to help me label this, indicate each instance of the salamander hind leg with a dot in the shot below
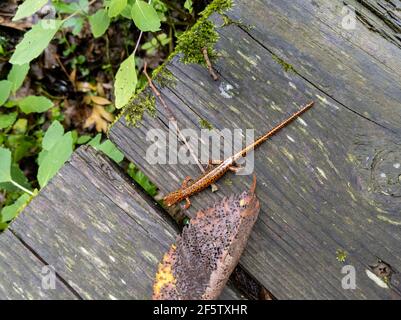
(235, 168)
(187, 204)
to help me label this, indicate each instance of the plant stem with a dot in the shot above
(138, 41)
(22, 188)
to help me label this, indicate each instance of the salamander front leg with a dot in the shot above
(215, 162)
(186, 181)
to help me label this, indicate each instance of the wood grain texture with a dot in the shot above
(328, 182)
(21, 273)
(101, 234)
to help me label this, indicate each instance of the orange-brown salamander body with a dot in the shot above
(211, 176)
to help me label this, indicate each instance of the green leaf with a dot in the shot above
(10, 212)
(99, 22)
(188, 5)
(53, 134)
(21, 145)
(82, 7)
(126, 81)
(18, 176)
(68, 8)
(75, 23)
(17, 76)
(83, 139)
(5, 90)
(54, 159)
(28, 8)
(126, 13)
(145, 16)
(5, 165)
(7, 120)
(107, 147)
(95, 142)
(35, 41)
(35, 104)
(116, 7)
(141, 179)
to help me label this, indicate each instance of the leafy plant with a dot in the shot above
(152, 46)
(107, 147)
(142, 180)
(26, 113)
(57, 147)
(143, 14)
(188, 5)
(5, 170)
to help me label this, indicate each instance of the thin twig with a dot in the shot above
(55, 55)
(209, 64)
(172, 119)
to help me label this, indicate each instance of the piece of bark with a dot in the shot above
(208, 250)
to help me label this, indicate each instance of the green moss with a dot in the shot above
(286, 66)
(164, 77)
(228, 21)
(218, 6)
(142, 102)
(202, 35)
(228, 182)
(205, 124)
(191, 43)
(341, 255)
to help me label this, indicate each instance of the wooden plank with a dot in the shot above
(358, 68)
(98, 230)
(21, 273)
(326, 183)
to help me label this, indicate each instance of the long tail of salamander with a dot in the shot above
(272, 132)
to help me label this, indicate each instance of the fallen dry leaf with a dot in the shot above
(85, 86)
(73, 75)
(100, 100)
(20, 25)
(208, 250)
(100, 118)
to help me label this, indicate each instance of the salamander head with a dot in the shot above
(173, 198)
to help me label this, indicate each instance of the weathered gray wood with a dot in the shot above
(359, 68)
(21, 273)
(328, 182)
(99, 231)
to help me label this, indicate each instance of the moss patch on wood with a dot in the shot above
(202, 35)
(341, 255)
(205, 124)
(164, 77)
(191, 43)
(286, 66)
(142, 102)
